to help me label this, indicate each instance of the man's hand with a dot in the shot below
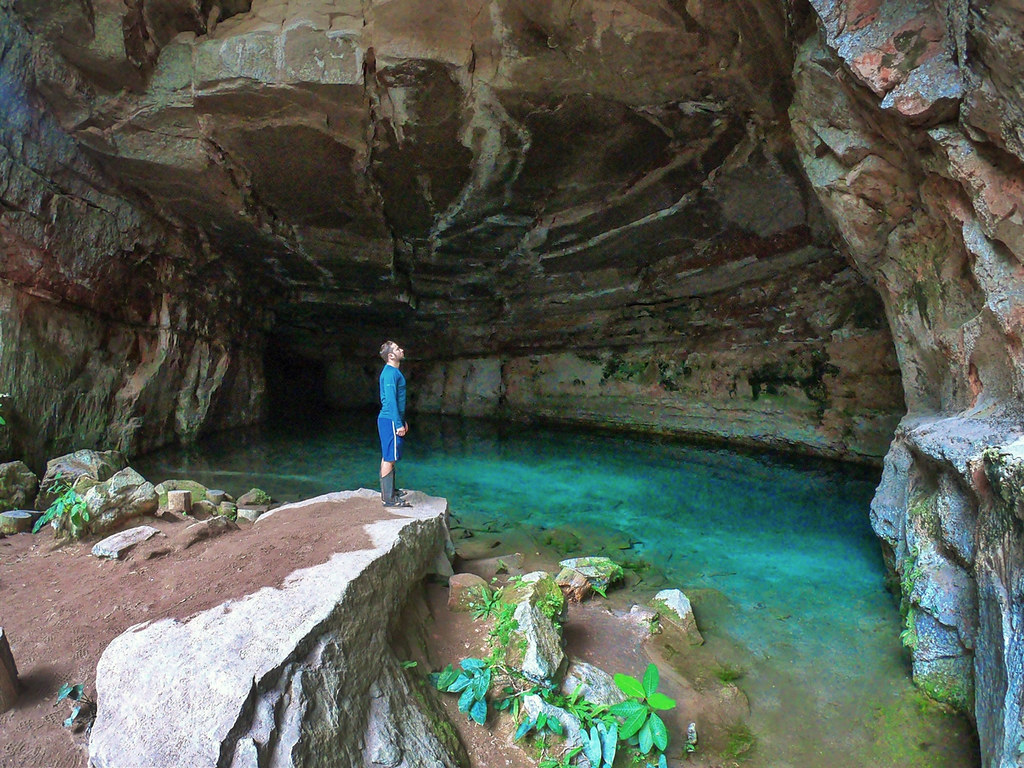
(403, 431)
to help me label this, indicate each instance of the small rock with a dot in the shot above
(250, 513)
(114, 546)
(227, 509)
(203, 509)
(254, 498)
(464, 589)
(534, 705)
(179, 502)
(216, 496)
(207, 529)
(675, 607)
(580, 575)
(17, 521)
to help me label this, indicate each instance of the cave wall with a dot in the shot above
(116, 329)
(908, 120)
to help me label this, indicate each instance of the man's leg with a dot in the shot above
(387, 481)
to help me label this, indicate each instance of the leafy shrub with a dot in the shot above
(638, 712)
(83, 712)
(472, 682)
(68, 512)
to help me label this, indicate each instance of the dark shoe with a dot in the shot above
(396, 502)
(400, 492)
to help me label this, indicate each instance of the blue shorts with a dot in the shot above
(390, 440)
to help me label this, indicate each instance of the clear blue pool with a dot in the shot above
(777, 552)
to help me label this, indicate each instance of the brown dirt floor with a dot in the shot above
(60, 607)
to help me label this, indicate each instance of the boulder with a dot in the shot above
(592, 683)
(536, 644)
(464, 591)
(252, 514)
(126, 495)
(254, 497)
(673, 606)
(18, 485)
(114, 546)
(534, 705)
(582, 575)
(646, 618)
(285, 675)
(66, 470)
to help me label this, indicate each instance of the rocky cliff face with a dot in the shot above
(907, 116)
(609, 186)
(116, 329)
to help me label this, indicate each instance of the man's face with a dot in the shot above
(398, 353)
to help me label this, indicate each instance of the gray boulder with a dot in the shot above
(114, 546)
(67, 469)
(593, 683)
(124, 496)
(18, 485)
(285, 676)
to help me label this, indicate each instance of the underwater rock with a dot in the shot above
(673, 606)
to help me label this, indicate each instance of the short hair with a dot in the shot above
(386, 349)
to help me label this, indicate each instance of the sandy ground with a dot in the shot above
(60, 607)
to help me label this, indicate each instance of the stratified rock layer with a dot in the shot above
(287, 676)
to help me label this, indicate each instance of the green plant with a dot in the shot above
(69, 513)
(487, 605)
(259, 497)
(728, 673)
(600, 744)
(472, 682)
(640, 721)
(565, 762)
(740, 740)
(83, 712)
(540, 724)
(909, 635)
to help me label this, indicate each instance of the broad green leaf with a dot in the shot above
(524, 728)
(646, 738)
(76, 692)
(592, 747)
(658, 732)
(609, 739)
(630, 685)
(479, 711)
(661, 701)
(446, 678)
(627, 708)
(473, 664)
(662, 762)
(632, 724)
(480, 685)
(650, 681)
(466, 700)
(409, 664)
(64, 692)
(542, 720)
(461, 683)
(555, 726)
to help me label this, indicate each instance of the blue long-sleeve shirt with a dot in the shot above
(392, 394)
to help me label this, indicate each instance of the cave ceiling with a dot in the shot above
(510, 175)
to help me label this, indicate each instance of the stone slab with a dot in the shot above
(118, 544)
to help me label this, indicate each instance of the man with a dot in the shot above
(391, 423)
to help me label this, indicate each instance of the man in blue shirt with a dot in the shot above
(391, 423)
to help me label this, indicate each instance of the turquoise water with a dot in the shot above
(777, 554)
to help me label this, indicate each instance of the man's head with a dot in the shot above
(391, 352)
